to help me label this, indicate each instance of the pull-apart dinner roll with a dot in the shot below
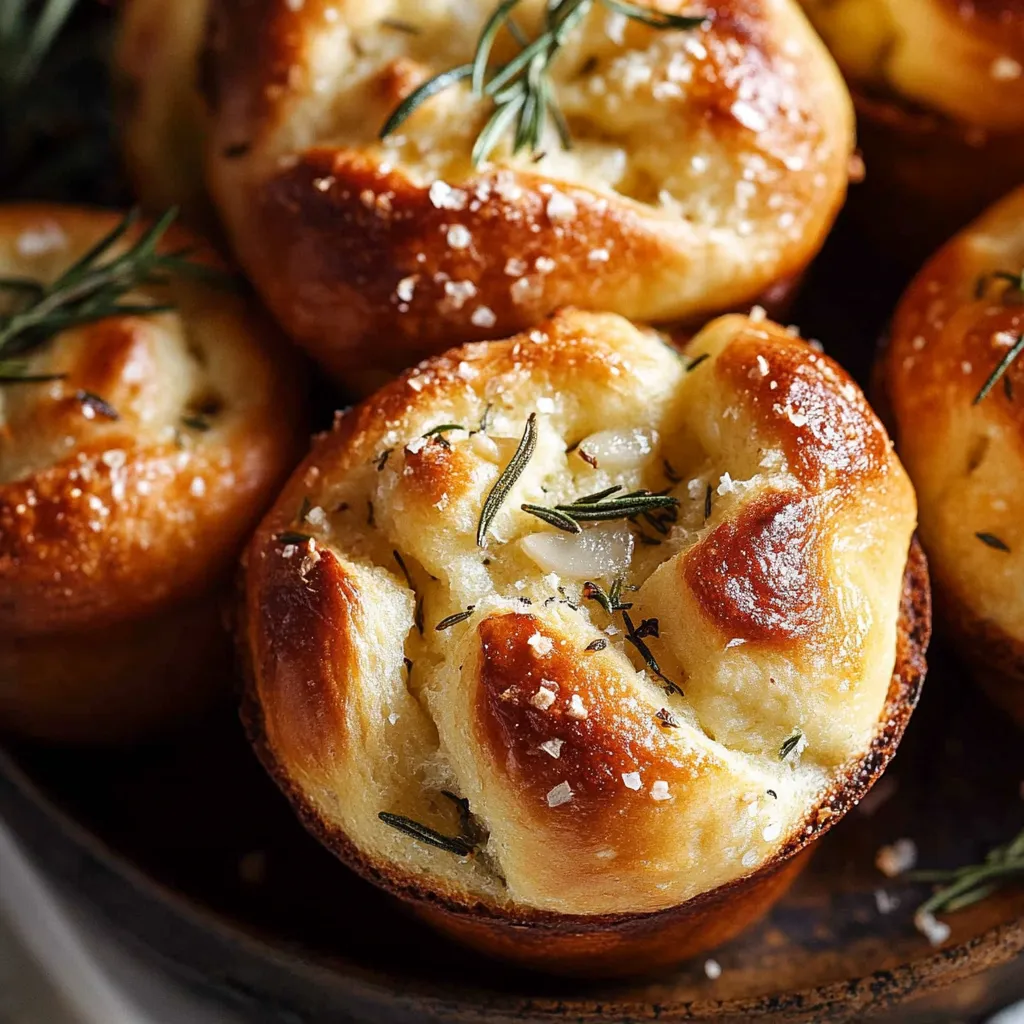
(706, 165)
(939, 89)
(161, 113)
(612, 742)
(136, 454)
(954, 376)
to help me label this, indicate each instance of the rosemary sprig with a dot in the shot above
(521, 90)
(962, 887)
(602, 507)
(998, 373)
(507, 480)
(92, 288)
(425, 834)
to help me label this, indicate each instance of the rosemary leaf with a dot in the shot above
(521, 89)
(454, 620)
(553, 518)
(964, 886)
(293, 537)
(993, 541)
(789, 745)
(507, 480)
(419, 96)
(998, 373)
(424, 834)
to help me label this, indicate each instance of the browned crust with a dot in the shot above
(328, 233)
(87, 539)
(610, 944)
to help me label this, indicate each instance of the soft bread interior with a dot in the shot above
(773, 595)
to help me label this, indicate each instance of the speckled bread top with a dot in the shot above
(895, 45)
(953, 328)
(133, 480)
(618, 760)
(714, 159)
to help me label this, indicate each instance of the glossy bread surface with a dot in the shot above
(714, 159)
(592, 790)
(128, 485)
(953, 328)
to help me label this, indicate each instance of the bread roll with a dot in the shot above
(706, 166)
(953, 329)
(939, 89)
(160, 111)
(127, 488)
(638, 780)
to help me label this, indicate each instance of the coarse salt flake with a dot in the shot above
(659, 790)
(631, 780)
(560, 207)
(552, 747)
(576, 708)
(458, 237)
(712, 969)
(561, 794)
(543, 645)
(444, 197)
(897, 858)
(934, 930)
(543, 698)
(483, 316)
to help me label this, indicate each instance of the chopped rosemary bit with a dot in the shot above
(370, 516)
(437, 431)
(1000, 371)
(648, 627)
(962, 887)
(789, 745)
(507, 480)
(707, 503)
(993, 541)
(382, 459)
(454, 620)
(596, 645)
(603, 506)
(635, 638)
(97, 404)
(196, 422)
(92, 288)
(694, 363)
(521, 90)
(304, 509)
(1014, 282)
(293, 537)
(424, 834)
(667, 719)
(671, 475)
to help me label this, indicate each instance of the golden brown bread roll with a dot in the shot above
(649, 717)
(160, 110)
(939, 89)
(706, 165)
(127, 487)
(955, 327)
